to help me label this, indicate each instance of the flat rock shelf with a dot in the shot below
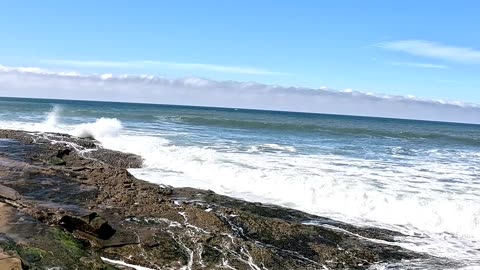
(68, 203)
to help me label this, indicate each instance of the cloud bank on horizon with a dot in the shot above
(40, 83)
(162, 65)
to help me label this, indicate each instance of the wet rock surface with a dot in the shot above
(67, 202)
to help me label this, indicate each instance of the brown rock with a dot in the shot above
(8, 193)
(8, 262)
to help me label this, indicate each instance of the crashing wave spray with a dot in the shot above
(103, 127)
(50, 124)
(53, 116)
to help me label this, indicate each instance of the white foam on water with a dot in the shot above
(122, 263)
(49, 124)
(103, 127)
(437, 205)
(53, 116)
(417, 199)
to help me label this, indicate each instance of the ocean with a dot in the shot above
(419, 178)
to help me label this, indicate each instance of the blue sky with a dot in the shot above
(429, 49)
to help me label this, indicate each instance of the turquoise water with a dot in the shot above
(420, 178)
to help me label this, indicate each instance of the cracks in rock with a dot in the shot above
(243, 249)
(240, 233)
(226, 265)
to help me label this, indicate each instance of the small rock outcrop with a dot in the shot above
(7, 193)
(9, 262)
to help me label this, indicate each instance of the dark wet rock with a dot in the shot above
(92, 224)
(63, 152)
(40, 246)
(67, 214)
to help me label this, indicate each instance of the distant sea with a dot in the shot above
(416, 177)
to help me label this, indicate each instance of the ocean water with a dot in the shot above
(416, 177)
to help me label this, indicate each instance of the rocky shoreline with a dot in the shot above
(66, 203)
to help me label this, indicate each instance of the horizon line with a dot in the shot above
(244, 109)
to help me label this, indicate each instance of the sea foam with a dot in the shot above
(103, 127)
(407, 199)
(435, 205)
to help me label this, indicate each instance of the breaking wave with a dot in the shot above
(100, 128)
(103, 127)
(430, 195)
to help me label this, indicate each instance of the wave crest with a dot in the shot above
(53, 116)
(103, 127)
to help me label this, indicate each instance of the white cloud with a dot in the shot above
(434, 50)
(106, 76)
(420, 65)
(33, 82)
(36, 70)
(162, 65)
